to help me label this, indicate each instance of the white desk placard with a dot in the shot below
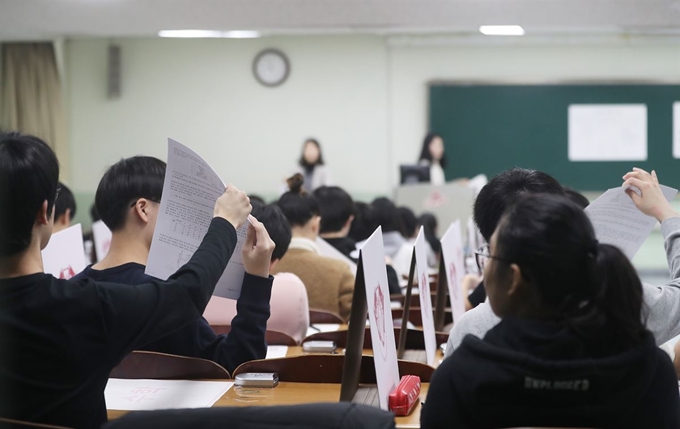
(380, 316)
(331, 252)
(64, 255)
(618, 222)
(607, 132)
(454, 262)
(101, 235)
(422, 274)
(190, 190)
(143, 394)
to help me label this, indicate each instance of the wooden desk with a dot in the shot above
(294, 394)
(297, 351)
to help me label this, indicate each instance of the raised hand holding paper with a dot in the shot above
(618, 222)
(425, 299)
(64, 256)
(190, 191)
(454, 262)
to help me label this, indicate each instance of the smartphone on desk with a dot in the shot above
(257, 379)
(319, 347)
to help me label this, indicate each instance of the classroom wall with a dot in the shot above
(364, 97)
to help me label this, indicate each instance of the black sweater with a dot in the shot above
(60, 339)
(531, 373)
(245, 341)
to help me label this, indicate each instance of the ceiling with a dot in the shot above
(45, 19)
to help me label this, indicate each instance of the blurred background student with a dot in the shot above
(433, 154)
(64, 209)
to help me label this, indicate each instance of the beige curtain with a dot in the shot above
(30, 93)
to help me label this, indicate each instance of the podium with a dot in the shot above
(447, 202)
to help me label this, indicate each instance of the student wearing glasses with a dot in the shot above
(59, 339)
(128, 200)
(662, 303)
(571, 348)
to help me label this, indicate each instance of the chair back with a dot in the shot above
(145, 364)
(415, 316)
(323, 316)
(273, 338)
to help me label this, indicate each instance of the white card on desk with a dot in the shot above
(454, 261)
(64, 255)
(618, 222)
(425, 298)
(380, 316)
(190, 190)
(274, 352)
(142, 394)
(101, 235)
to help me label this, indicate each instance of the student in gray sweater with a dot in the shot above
(661, 304)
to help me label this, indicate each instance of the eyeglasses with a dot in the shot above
(482, 257)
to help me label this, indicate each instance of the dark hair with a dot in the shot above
(298, 206)
(592, 286)
(576, 197)
(29, 174)
(336, 207)
(503, 190)
(65, 202)
(364, 222)
(303, 162)
(425, 151)
(94, 214)
(408, 223)
(277, 226)
(386, 214)
(257, 199)
(124, 183)
(429, 223)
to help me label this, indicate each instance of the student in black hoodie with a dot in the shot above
(571, 349)
(337, 213)
(128, 199)
(59, 339)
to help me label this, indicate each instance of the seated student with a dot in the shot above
(289, 304)
(434, 247)
(337, 214)
(501, 191)
(571, 348)
(396, 247)
(128, 199)
(64, 208)
(59, 339)
(661, 303)
(329, 282)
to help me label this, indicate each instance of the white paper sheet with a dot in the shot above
(676, 130)
(64, 255)
(608, 132)
(274, 352)
(190, 190)
(102, 239)
(380, 316)
(454, 261)
(331, 252)
(142, 394)
(322, 327)
(425, 298)
(618, 222)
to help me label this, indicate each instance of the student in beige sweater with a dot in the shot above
(329, 282)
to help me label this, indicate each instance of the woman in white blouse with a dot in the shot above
(433, 155)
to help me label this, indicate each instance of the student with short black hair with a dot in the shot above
(397, 249)
(337, 214)
(501, 192)
(329, 282)
(364, 223)
(128, 200)
(408, 223)
(64, 208)
(61, 338)
(571, 348)
(289, 302)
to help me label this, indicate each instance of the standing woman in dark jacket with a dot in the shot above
(571, 349)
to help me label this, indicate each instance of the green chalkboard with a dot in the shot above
(490, 128)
